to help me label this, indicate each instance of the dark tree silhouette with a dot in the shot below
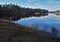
(16, 12)
(54, 32)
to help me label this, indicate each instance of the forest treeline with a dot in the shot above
(16, 12)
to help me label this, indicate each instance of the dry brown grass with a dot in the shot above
(11, 32)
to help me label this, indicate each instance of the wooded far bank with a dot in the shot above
(16, 12)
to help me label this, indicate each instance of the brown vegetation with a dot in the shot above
(11, 32)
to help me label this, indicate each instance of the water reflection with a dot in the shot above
(42, 22)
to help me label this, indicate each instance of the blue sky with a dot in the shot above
(44, 4)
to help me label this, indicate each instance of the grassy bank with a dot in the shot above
(11, 32)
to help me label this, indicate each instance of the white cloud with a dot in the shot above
(49, 4)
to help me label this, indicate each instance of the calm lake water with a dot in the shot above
(42, 22)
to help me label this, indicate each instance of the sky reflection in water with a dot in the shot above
(42, 22)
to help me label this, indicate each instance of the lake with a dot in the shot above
(42, 22)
